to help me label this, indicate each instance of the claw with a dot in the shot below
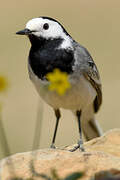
(80, 146)
(52, 146)
(74, 149)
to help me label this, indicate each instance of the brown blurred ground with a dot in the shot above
(96, 25)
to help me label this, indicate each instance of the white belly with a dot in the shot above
(79, 96)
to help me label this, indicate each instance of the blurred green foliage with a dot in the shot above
(55, 176)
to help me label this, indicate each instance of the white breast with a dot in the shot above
(79, 96)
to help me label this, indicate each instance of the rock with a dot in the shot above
(102, 153)
(112, 174)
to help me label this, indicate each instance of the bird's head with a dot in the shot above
(44, 27)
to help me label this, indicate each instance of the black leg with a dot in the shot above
(58, 115)
(80, 142)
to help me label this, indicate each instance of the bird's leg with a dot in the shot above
(58, 115)
(80, 142)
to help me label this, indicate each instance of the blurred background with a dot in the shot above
(94, 24)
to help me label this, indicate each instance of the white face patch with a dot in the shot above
(54, 31)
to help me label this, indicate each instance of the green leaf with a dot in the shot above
(54, 175)
(74, 176)
(44, 176)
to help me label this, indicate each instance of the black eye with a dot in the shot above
(46, 26)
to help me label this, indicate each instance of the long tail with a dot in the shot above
(92, 129)
(90, 126)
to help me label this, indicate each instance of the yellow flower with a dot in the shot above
(3, 83)
(58, 81)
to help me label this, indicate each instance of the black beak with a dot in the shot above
(24, 32)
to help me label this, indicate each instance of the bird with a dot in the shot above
(53, 47)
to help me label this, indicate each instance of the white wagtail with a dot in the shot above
(52, 47)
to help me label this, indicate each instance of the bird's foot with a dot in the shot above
(52, 146)
(80, 146)
(74, 149)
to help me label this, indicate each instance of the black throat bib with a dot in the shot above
(45, 56)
